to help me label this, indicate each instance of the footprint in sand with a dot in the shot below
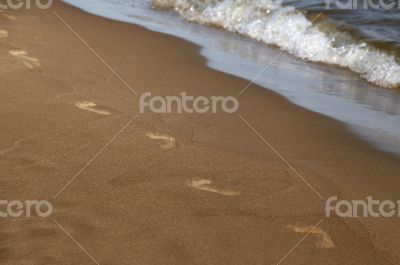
(3, 34)
(93, 107)
(29, 62)
(8, 16)
(206, 185)
(323, 238)
(169, 141)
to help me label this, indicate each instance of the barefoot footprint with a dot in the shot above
(29, 62)
(323, 238)
(205, 185)
(9, 16)
(91, 106)
(169, 141)
(3, 34)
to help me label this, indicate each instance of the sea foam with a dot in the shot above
(271, 23)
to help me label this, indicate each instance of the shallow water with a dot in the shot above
(372, 112)
(310, 31)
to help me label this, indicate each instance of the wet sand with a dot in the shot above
(170, 188)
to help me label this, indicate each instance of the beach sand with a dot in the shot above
(170, 188)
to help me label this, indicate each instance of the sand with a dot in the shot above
(169, 188)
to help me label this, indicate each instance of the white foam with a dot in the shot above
(271, 23)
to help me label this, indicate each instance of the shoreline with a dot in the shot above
(336, 92)
(141, 203)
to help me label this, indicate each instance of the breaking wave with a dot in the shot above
(312, 38)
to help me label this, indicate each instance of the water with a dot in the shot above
(315, 38)
(353, 97)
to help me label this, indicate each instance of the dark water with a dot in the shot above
(376, 21)
(361, 36)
